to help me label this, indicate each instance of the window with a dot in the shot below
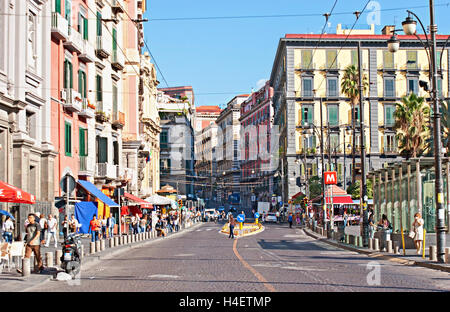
(68, 139)
(114, 102)
(389, 118)
(68, 12)
(389, 90)
(332, 86)
(82, 83)
(388, 60)
(333, 119)
(114, 40)
(116, 153)
(99, 24)
(30, 124)
(102, 150)
(58, 6)
(164, 139)
(438, 59)
(83, 142)
(356, 114)
(165, 166)
(307, 115)
(334, 141)
(68, 77)
(355, 58)
(411, 57)
(390, 143)
(332, 59)
(98, 80)
(83, 25)
(307, 87)
(413, 85)
(307, 59)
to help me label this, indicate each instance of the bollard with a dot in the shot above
(97, 246)
(396, 249)
(389, 246)
(82, 251)
(26, 267)
(111, 242)
(360, 241)
(58, 254)
(49, 258)
(102, 245)
(347, 238)
(92, 248)
(447, 255)
(377, 244)
(32, 264)
(370, 243)
(116, 241)
(133, 238)
(433, 256)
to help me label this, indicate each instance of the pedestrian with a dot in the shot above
(111, 225)
(65, 226)
(345, 218)
(33, 241)
(371, 226)
(142, 224)
(52, 230)
(278, 216)
(290, 220)
(94, 228)
(73, 224)
(44, 225)
(385, 226)
(232, 225)
(7, 228)
(417, 226)
(134, 224)
(104, 227)
(175, 223)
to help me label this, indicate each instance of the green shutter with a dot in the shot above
(314, 169)
(99, 24)
(68, 139)
(80, 23)
(114, 33)
(80, 82)
(58, 6)
(306, 59)
(71, 75)
(82, 142)
(331, 59)
(85, 28)
(65, 73)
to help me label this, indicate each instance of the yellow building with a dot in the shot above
(308, 70)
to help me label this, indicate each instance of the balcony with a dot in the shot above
(72, 100)
(117, 60)
(106, 171)
(59, 27)
(116, 7)
(74, 42)
(87, 53)
(103, 47)
(100, 3)
(118, 120)
(83, 169)
(389, 150)
(87, 110)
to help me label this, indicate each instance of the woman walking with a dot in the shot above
(418, 230)
(232, 225)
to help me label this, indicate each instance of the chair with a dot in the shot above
(5, 254)
(17, 250)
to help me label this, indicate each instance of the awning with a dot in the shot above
(297, 195)
(139, 201)
(158, 200)
(340, 200)
(91, 188)
(12, 194)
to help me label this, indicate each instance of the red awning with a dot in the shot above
(297, 195)
(340, 200)
(12, 194)
(139, 201)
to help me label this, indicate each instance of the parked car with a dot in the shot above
(271, 217)
(209, 215)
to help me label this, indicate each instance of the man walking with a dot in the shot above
(111, 224)
(290, 220)
(94, 227)
(43, 224)
(51, 231)
(232, 225)
(33, 241)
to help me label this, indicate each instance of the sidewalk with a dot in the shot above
(15, 282)
(411, 257)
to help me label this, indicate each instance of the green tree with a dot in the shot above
(411, 120)
(350, 84)
(315, 187)
(355, 189)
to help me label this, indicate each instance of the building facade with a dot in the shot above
(27, 153)
(181, 93)
(256, 127)
(228, 152)
(176, 144)
(303, 77)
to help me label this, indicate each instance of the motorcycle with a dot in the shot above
(71, 254)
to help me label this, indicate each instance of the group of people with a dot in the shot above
(102, 228)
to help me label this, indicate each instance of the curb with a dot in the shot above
(92, 259)
(379, 255)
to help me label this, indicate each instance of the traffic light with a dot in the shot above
(305, 201)
(180, 202)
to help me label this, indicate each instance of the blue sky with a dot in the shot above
(232, 55)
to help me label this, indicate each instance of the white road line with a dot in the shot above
(163, 276)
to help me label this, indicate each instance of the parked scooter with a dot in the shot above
(71, 254)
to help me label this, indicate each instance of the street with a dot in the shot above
(278, 259)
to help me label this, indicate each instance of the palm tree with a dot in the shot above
(350, 87)
(411, 123)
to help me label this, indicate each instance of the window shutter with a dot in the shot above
(114, 33)
(85, 28)
(314, 169)
(71, 75)
(65, 73)
(339, 171)
(300, 143)
(99, 24)
(80, 83)
(80, 23)
(383, 142)
(82, 147)
(310, 115)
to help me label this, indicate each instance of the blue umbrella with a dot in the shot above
(6, 213)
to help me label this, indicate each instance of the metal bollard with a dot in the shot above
(111, 242)
(82, 251)
(97, 246)
(116, 241)
(389, 246)
(49, 258)
(360, 241)
(433, 255)
(32, 264)
(370, 243)
(447, 255)
(58, 254)
(26, 267)
(396, 249)
(92, 248)
(377, 244)
(347, 238)
(102, 245)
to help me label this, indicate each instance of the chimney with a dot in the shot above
(388, 30)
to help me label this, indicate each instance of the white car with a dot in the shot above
(270, 217)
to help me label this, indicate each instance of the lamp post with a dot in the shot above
(410, 28)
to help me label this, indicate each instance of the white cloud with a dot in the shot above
(260, 83)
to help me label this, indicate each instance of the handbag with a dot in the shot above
(412, 234)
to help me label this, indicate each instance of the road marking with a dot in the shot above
(184, 255)
(198, 230)
(208, 229)
(163, 276)
(292, 235)
(251, 269)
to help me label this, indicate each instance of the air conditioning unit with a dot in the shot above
(63, 95)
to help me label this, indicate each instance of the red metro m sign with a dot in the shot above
(330, 177)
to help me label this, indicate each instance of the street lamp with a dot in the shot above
(410, 28)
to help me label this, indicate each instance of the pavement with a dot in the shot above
(280, 259)
(12, 281)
